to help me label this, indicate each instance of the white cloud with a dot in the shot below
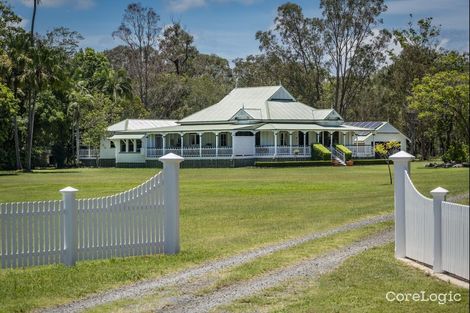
(76, 4)
(184, 5)
(449, 13)
(419, 6)
(24, 22)
(98, 42)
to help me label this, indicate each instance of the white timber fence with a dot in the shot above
(431, 231)
(141, 221)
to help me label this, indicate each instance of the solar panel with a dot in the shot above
(367, 124)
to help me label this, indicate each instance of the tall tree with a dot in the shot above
(296, 41)
(14, 44)
(354, 49)
(45, 69)
(177, 46)
(419, 51)
(139, 30)
(33, 19)
(441, 102)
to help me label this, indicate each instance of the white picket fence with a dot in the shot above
(431, 231)
(140, 221)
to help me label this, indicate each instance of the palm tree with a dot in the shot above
(17, 46)
(33, 20)
(45, 69)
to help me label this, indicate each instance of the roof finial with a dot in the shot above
(236, 82)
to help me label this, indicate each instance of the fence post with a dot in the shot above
(438, 195)
(401, 162)
(171, 164)
(70, 244)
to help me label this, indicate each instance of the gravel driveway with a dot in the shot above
(181, 278)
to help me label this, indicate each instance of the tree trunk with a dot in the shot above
(29, 142)
(389, 171)
(77, 138)
(17, 144)
(33, 20)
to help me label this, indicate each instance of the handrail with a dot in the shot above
(338, 154)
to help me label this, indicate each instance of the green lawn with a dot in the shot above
(360, 285)
(223, 211)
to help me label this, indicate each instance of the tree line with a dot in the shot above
(55, 97)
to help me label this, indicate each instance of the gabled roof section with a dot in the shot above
(327, 114)
(252, 98)
(244, 114)
(282, 94)
(279, 110)
(134, 124)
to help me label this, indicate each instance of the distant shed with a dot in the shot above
(381, 132)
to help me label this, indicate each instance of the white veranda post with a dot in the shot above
(290, 143)
(200, 144)
(181, 143)
(216, 144)
(275, 143)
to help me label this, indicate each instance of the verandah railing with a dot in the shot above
(192, 152)
(140, 221)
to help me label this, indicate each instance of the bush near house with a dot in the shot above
(346, 151)
(370, 162)
(292, 163)
(320, 152)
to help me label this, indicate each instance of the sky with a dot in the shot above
(227, 27)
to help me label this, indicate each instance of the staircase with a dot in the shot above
(338, 156)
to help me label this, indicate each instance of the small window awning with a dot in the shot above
(129, 136)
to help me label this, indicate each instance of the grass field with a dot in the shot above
(223, 211)
(359, 285)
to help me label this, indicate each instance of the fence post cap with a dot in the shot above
(68, 189)
(172, 158)
(401, 155)
(439, 192)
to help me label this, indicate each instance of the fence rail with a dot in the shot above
(431, 231)
(455, 236)
(140, 221)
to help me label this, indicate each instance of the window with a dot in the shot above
(123, 145)
(194, 139)
(131, 145)
(258, 139)
(283, 139)
(112, 145)
(139, 145)
(158, 141)
(223, 139)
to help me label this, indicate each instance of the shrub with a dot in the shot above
(346, 151)
(320, 152)
(457, 152)
(292, 163)
(370, 161)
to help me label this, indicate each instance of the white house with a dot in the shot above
(246, 125)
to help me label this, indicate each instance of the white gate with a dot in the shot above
(431, 231)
